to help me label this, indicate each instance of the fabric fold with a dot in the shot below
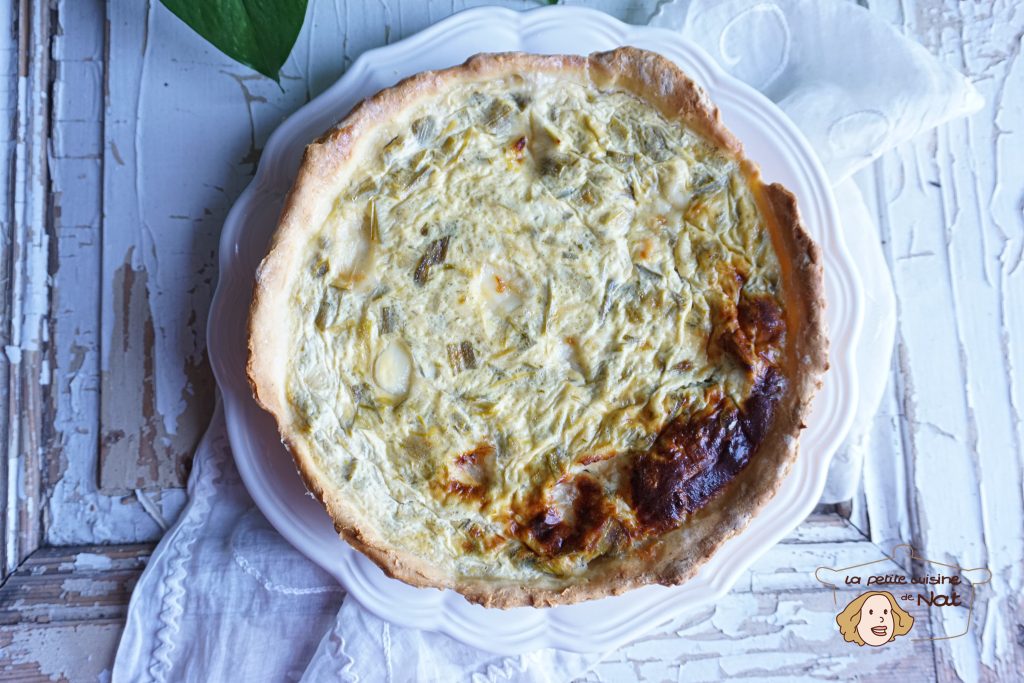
(851, 82)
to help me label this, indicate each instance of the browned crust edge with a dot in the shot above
(680, 552)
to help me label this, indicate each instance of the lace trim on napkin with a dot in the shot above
(179, 549)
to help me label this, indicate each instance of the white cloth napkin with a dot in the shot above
(224, 597)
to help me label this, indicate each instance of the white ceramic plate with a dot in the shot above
(266, 467)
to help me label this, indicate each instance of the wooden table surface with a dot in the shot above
(130, 139)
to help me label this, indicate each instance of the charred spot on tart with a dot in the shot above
(762, 321)
(684, 449)
(591, 458)
(685, 365)
(752, 329)
(574, 516)
(467, 477)
(697, 456)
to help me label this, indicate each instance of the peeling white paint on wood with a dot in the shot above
(25, 254)
(8, 469)
(76, 511)
(59, 652)
(760, 630)
(789, 636)
(62, 612)
(952, 208)
(158, 266)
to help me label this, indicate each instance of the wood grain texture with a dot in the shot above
(778, 623)
(76, 510)
(157, 273)
(950, 206)
(73, 651)
(62, 611)
(25, 255)
(9, 555)
(74, 583)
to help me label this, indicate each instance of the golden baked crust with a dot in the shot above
(651, 496)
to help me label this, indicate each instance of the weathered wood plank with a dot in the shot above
(785, 636)
(9, 103)
(158, 249)
(953, 214)
(80, 583)
(75, 651)
(778, 623)
(62, 612)
(25, 252)
(885, 508)
(76, 512)
(752, 629)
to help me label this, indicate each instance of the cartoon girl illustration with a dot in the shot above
(874, 618)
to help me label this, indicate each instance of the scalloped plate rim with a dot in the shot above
(555, 627)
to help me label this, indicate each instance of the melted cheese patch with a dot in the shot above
(516, 288)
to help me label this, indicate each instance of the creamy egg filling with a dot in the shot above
(514, 293)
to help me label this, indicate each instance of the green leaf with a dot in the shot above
(257, 33)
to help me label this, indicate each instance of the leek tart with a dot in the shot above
(534, 329)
